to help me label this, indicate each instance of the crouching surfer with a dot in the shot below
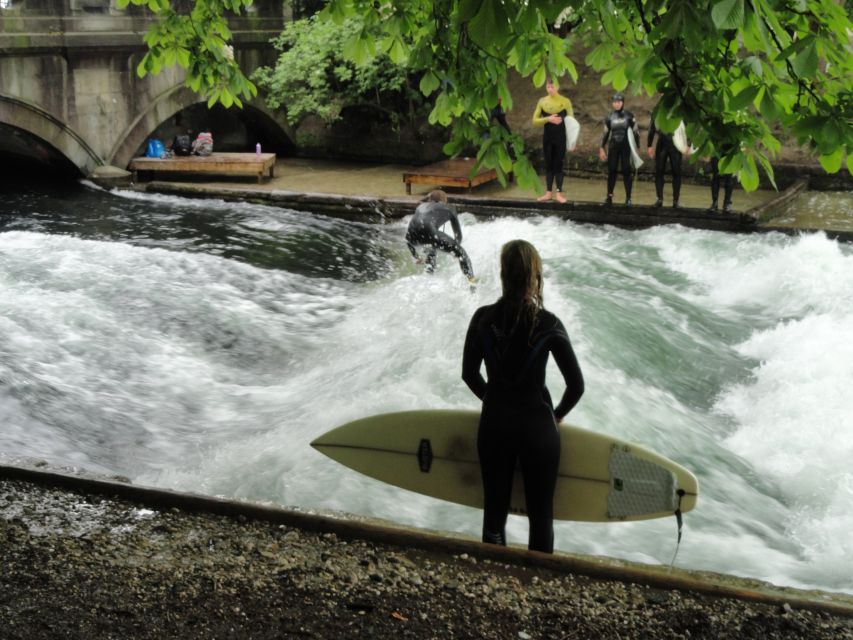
(515, 336)
(425, 231)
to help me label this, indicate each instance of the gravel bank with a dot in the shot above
(81, 565)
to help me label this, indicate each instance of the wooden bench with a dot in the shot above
(449, 173)
(253, 164)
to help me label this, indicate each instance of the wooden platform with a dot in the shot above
(252, 164)
(449, 173)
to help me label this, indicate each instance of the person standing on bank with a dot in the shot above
(665, 150)
(425, 230)
(514, 336)
(549, 114)
(728, 186)
(618, 125)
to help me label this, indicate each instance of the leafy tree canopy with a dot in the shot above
(313, 76)
(740, 73)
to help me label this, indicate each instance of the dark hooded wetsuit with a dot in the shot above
(518, 421)
(618, 125)
(665, 150)
(424, 230)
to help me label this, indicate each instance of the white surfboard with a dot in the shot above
(573, 131)
(636, 158)
(601, 478)
(679, 138)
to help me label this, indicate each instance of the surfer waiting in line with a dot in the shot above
(550, 112)
(728, 181)
(514, 336)
(425, 230)
(665, 150)
(618, 126)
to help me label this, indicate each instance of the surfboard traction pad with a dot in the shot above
(638, 486)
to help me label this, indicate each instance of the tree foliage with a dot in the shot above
(740, 73)
(198, 42)
(313, 76)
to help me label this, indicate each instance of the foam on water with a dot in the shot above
(182, 367)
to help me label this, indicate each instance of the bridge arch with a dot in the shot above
(30, 118)
(174, 100)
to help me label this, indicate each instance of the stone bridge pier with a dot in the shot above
(70, 95)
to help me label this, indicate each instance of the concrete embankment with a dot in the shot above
(375, 193)
(378, 208)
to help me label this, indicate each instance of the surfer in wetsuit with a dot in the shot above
(549, 114)
(618, 125)
(665, 150)
(514, 336)
(728, 186)
(425, 230)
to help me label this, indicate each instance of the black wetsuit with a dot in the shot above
(664, 151)
(518, 421)
(424, 229)
(728, 185)
(499, 115)
(618, 125)
(554, 149)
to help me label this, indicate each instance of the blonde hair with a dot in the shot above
(521, 280)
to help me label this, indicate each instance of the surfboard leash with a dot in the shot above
(679, 519)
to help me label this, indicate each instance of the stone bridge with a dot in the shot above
(69, 92)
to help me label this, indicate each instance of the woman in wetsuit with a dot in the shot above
(549, 114)
(514, 336)
(618, 125)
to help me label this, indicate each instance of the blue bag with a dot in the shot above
(155, 149)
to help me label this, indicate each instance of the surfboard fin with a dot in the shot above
(679, 519)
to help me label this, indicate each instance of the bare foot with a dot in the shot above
(545, 198)
(561, 198)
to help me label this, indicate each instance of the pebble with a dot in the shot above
(98, 571)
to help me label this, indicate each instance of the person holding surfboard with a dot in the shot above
(425, 230)
(666, 150)
(549, 114)
(620, 139)
(514, 337)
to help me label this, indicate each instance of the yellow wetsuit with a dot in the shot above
(553, 136)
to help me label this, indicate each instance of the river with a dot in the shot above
(201, 345)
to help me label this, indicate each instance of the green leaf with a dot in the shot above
(832, 163)
(744, 98)
(184, 57)
(805, 64)
(357, 49)
(749, 175)
(468, 9)
(572, 70)
(490, 25)
(728, 14)
(141, 68)
(429, 83)
(850, 164)
(226, 98)
(539, 76)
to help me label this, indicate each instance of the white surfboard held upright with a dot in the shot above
(601, 479)
(573, 131)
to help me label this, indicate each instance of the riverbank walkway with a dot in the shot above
(339, 187)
